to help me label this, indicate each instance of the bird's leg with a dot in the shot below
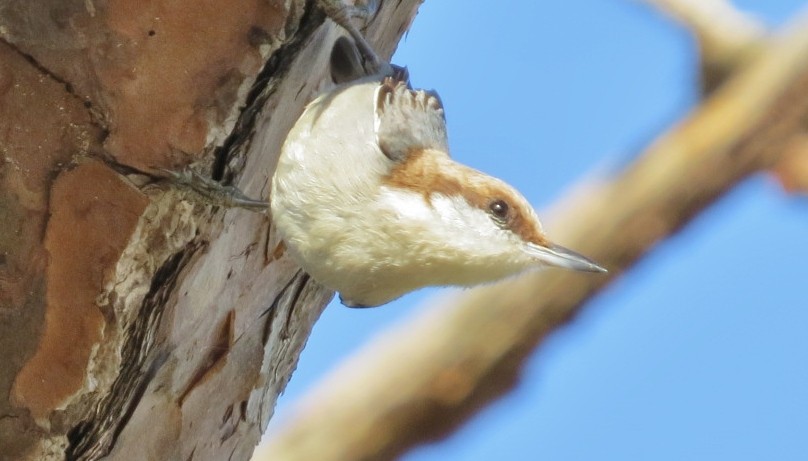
(214, 192)
(342, 14)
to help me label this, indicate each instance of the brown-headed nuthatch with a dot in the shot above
(370, 204)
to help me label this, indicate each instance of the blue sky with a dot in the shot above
(701, 351)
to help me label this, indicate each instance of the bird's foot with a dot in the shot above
(342, 14)
(213, 192)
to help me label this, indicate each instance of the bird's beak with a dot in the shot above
(558, 256)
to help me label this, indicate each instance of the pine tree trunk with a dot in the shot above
(137, 321)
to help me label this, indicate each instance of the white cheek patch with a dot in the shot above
(448, 219)
(458, 211)
(451, 209)
(408, 205)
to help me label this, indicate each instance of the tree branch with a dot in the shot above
(726, 37)
(721, 28)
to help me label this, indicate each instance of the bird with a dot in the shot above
(368, 201)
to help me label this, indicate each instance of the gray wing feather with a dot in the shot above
(408, 120)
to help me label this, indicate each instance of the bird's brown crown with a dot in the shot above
(429, 172)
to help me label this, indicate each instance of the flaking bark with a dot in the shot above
(137, 322)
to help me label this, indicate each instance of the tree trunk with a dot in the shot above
(137, 321)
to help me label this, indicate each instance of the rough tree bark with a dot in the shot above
(137, 322)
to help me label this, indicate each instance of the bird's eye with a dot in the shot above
(499, 209)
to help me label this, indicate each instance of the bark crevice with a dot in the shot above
(141, 358)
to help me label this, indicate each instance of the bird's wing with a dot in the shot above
(408, 120)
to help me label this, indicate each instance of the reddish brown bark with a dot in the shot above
(137, 322)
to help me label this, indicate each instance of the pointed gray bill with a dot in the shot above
(558, 256)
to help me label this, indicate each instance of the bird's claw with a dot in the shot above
(213, 192)
(342, 14)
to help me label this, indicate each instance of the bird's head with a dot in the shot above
(475, 219)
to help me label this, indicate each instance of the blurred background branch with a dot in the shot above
(725, 36)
